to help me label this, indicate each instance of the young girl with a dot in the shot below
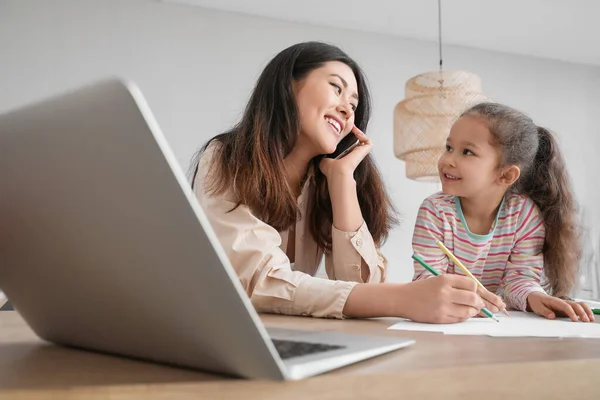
(278, 205)
(507, 212)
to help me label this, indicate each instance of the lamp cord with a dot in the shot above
(440, 31)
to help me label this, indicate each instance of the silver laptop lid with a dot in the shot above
(103, 245)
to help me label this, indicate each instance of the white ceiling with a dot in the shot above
(566, 30)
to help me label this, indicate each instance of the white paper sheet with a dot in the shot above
(520, 324)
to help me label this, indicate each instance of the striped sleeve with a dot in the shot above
(429, 228)
(524, 269)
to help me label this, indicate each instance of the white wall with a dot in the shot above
(197, 67)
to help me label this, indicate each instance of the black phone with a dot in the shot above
(344, 147)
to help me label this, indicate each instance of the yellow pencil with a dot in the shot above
(460, 265)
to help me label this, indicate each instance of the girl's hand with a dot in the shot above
(550, 307)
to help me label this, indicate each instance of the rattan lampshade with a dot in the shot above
(422, 121)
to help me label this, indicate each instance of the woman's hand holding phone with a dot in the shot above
(345, 165)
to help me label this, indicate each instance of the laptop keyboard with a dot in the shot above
(291, 348)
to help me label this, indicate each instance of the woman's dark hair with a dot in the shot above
(249, 159)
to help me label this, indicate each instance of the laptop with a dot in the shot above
(3, 302)
(104, 247)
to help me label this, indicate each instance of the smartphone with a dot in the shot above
(344, 147)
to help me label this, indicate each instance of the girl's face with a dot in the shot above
(470, 165)
(326, 99)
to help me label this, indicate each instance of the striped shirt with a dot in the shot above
(508, 260)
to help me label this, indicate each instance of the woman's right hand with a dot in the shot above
(492, 302)
(443, 299)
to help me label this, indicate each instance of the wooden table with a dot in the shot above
(437, 366)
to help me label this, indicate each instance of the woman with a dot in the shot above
(278, 205)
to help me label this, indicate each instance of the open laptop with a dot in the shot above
(103, 246)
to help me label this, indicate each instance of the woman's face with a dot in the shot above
(327, 98)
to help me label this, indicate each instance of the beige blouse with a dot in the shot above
(257, 252)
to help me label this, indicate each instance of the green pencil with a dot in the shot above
(429, 268)
(596, 311)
